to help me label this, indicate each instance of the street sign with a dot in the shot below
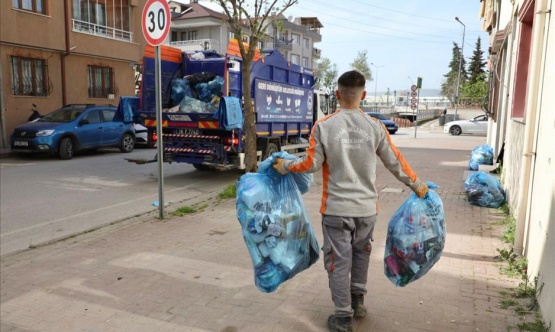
(413, 107)
(413, 88)
(156, 21)
(413, 94)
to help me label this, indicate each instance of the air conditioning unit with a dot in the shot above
(111, 96)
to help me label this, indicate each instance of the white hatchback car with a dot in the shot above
(476, 125)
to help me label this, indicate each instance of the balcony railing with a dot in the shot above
(101, 30)
(197, 45)
(316, 53)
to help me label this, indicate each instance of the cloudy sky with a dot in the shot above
(404, 38)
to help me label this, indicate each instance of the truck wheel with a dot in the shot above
(201, 167)
(127, 143)
(66, 148)
(270, 149)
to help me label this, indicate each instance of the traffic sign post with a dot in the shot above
(156, 26)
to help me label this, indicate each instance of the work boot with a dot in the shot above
(357, 303)
(340, 324)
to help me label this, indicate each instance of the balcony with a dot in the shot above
(316, 53)
(198, 45)
(101, 31)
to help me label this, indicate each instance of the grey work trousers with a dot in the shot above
(347, 248)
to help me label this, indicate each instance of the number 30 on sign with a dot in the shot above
(156, 21)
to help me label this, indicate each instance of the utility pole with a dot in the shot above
(460, 69)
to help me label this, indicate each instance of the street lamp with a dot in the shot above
(376, 85)
(460, 68)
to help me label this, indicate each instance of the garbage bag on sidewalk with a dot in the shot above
(415, 238)
(302, 180)
(480, 155)
(276, 228)
(483, 189)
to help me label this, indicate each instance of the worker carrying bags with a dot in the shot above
(275, 225)
(415, 238)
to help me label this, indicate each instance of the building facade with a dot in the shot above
(522, 109)
(59, 52)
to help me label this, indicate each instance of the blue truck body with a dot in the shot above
(286, 107)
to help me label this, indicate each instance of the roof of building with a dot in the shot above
(193, 10)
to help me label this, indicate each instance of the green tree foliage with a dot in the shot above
(477, 64)
(251, 18)
(449, 85)
(360, 63)
(327, 73)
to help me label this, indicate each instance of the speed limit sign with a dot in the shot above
(156, 21)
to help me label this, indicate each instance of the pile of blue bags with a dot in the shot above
(484, 190)
(480, 155)
(275, 224)
(415, 238)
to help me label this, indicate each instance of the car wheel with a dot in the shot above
(127, 143)
(66, 148)
(455, 130)
(392, 132)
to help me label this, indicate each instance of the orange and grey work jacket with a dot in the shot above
(346, 146)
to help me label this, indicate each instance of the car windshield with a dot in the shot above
(377, 116)
(62, 115)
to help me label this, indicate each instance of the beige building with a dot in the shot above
(58, 52)
(522, 109)
(195, 27)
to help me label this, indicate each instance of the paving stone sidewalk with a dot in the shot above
(194, 273)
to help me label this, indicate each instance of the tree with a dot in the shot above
(327, 73)
(255, 16)
(449, 86)
(360, 63)
(476, 66)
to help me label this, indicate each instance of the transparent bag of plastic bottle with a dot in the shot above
(415, 238)
(484, 190)
(275, 227)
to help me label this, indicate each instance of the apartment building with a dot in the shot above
(521, 108)
(58, 52)
(195, 27)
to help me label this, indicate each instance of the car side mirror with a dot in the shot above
(83, 122)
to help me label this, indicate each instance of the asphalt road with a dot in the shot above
(45, 199)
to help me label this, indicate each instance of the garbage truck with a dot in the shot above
(202, 106)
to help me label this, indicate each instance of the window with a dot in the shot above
(29, 77)
(35, 6)
(93, 117)
(296, 39)
(305, 62)
(100, 82)
(189, 35)
(306, 43)
(109, 18)
(295, 59)
(108, 115)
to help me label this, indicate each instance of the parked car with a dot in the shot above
(141, 135)
(476, 125)
(72, 128)
(390, 125)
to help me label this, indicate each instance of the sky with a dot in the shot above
(404, 39)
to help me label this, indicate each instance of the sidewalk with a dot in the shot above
(194, 273)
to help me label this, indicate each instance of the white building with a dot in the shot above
(522, 112)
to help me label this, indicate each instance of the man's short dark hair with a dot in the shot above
(352, 79)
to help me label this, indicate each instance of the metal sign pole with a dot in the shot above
(416, 112)
(160, 146)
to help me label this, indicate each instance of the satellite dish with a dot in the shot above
(291, 19)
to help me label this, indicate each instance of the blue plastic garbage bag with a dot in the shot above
(229, 113)
(276, 228)
(480, 155)
(483, 189)
(180, 90)
(415, 238)
(302, 180)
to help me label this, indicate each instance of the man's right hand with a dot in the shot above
(279, 166)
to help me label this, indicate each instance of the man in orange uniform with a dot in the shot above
(346, 146)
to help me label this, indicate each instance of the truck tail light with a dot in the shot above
(154, 137)
(231, 141)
